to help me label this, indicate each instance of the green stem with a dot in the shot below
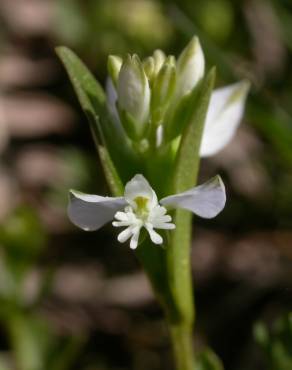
(182, 343)
(179, 265)
(180, 276)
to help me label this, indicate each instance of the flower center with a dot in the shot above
(142, 210)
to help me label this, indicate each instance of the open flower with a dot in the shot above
(140, 208)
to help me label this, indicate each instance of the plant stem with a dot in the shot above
(180, 277)
(181, 336)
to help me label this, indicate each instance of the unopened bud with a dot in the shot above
(133, 97)
(114, 64)
(190, 67)
(159, 59)
(163, 88)
(149, 67)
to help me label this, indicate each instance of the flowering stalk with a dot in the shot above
(150, 133)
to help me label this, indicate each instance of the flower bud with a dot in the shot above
(190, 67)
(114, 64)
(133, 97)
(163, 89)
(159, 58)
(149, 67)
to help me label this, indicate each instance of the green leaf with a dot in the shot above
(89, 92)
(114, 182)
(105, 131)
(83, 81)
(187, 161)
(178, 115)
(184, 177)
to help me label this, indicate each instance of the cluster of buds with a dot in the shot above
(145, 90)
(146, 95)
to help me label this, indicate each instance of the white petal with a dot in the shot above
(139, 187)
(135, 238)
(154, 236)
(121, 216)
(125, 235)
(121, 223)
(224, 115)
(166, 218)
(90, 212)
(158, 218)
(163, 225)
(206, 200)
(158, 211)
(126, 219)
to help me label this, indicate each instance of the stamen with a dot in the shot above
(142, 203)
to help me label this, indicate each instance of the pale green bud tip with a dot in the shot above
(240, 93)
(164, 84)
(163, 89)
(190, 66)
(159, 59)
(170, 60)
(114, 64)
(132, 69)
(192, 47)
(135, 59)
(149, 67)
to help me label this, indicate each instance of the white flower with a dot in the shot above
(143, 210)
(223, 117)
(140, 208)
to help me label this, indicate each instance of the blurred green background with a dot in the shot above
(72, 300)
